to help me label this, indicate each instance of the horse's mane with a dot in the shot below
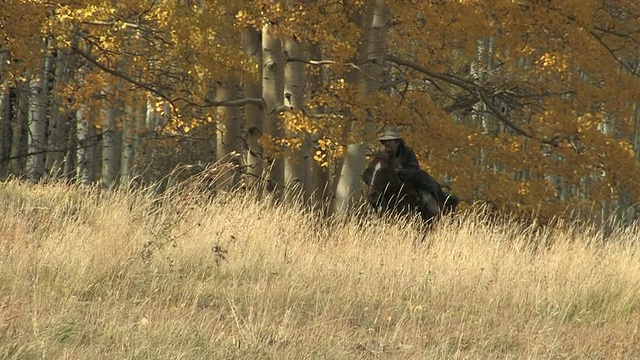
(379, 154)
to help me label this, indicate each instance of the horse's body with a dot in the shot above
(387, 192)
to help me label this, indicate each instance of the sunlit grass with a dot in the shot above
(87, 274)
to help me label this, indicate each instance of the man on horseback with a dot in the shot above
(409, 171)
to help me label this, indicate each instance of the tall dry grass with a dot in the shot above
(86, 275)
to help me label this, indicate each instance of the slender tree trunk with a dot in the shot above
(140, 128)
(609, 205)
(59, 125)
(636, 135)
(5, 112)
(320, 177)
(38, 120)
(229, 143)
(72, 145)
(140, 132)
(85, 156)
(273, 94)
(480, 117)
(631, 211)
(321, 189)
(213, 93)
(146, 156)
(348, 186)
(19, 129)
(297, 164)
(110, 145)
(253, 114)
(128, 138)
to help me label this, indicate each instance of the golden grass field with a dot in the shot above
(85, 275)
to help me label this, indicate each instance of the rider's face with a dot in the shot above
(391, 145)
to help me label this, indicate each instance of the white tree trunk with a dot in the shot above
(59, 125)
(72, 144)
(348, 187)
(608, 206)
(273, 94)
(144, 152)
(38, 120)
(5, 113)
(480, 116)
(631, 213)
(110, 145)
(18, 128)
(296, 168)
(320, 176)
(85, 155)
(253, 114)
(636, 135)
(151, 116)
(129, 123)
(140, 131)
(229, 143)
(140, 128)
(87, 160)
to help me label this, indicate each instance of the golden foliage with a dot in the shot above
(562, 71)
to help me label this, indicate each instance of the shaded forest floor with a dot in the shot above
(86, 275)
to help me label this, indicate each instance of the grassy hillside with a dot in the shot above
(85, 275)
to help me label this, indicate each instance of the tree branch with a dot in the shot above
(149, 87)
(120, 74)
(259, 102)
(613, 54)
(446, 78)
(92, 141)
(481, 94)
(330, 62)
(322, 62)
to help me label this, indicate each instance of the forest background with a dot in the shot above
(529, 106)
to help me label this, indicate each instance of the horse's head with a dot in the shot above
(385, 182)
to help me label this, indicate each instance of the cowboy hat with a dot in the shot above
(389, 135)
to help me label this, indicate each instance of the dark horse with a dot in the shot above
(388, 193)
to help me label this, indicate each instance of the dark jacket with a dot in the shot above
(406, 159)
(409, 171)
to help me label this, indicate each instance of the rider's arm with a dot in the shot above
(409, 160)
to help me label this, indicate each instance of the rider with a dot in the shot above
(408, 168)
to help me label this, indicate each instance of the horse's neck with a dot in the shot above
(391, 163)
(384, 171)
(393, 175)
